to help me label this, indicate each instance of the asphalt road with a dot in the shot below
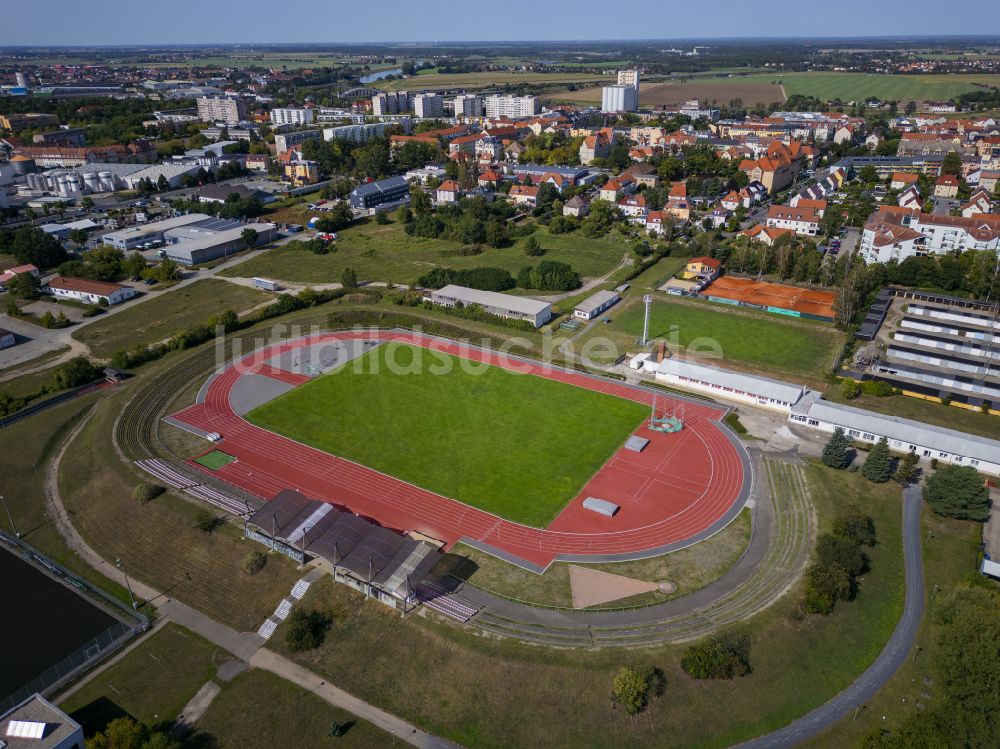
(889, 660)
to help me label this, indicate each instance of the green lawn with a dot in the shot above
(497, 693)
(152, 683)
(258, 709)
(153, 320)
(387, 253)
(857, 86)
(520, 446)
(747, 339)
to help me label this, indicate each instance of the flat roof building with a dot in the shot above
(380, 192)
(503, 305)
(745, 388)
(38, 724)
(594, 305)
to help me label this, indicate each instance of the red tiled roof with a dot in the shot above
(85, 285)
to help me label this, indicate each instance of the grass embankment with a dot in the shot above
(498, 693)
(520, 446)
(689, 569)
(25, 449)
(153, 320)
(159, 541)
(388, 253)
(745, 339)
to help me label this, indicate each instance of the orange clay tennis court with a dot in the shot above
(775, 295)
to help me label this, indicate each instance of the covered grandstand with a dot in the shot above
(377, 561)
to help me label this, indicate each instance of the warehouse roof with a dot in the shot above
(520, 304)
(765, 387)
(156, 227)
(905, 430)
(381, 185)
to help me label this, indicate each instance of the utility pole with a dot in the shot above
(121, 565)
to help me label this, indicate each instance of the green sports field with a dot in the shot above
(516, 445)
(858, 86)
(746, 339)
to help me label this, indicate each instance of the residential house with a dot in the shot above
(515, 150)
(490, 178)
(893, 233)
(732, 201)
(611, 191)
(643, 174)
(597, 146)
(978, 203)
(946, 186)
(577, 206)
(524, 195)
(702, 267)
(633, 206)
(902, 180)
(774, 174)
(803, 221)
(657, 222)
(910, 198)
(766, 234)
(448, 192)
(11, 273)
(719, 217)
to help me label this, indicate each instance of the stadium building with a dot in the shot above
(501, 305)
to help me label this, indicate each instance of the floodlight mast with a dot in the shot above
(648, 301)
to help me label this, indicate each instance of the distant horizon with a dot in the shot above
(515, 42)
(69, 23)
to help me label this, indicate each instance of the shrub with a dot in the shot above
(851, 389)
(532, 248)
(307, 629)
(878, 388)
(254, 562)
(207, 522)
(631, 687)
(349, 278)
(146, 492)
(725, 655)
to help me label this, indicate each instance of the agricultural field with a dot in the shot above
(519, 446)
(735, 338)
(488, 79)
(152, 320)
(387, 253)
(858, 86)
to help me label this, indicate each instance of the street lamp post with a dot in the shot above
(10, 517)
(121, 565)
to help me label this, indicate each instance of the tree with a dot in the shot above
(878, 464)
(34, 246)
(952, 164)
(824, 587)
(307, 629)
(838, 551)
(134, 265)
(835, 454)
(532, 248)
(381, 218)
(958, 492)
(77, 371)
(167, 270)
(349, 278)
(87, 203)
(249, 236)
(907, 469)
(495, 232)
(725, 655)
(78, 237)
(146, 492)
(854, 525)
(24, 286)
(631, 687)
(337, 218)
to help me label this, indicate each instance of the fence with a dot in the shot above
(129, 623)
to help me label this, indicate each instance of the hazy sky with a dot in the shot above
(66, 22)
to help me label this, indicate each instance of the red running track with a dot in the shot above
(677, 488)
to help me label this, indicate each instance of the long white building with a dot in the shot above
(503, 305)
(502, 105)
(753, 390)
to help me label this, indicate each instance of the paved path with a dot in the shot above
(244, 645)
(893, 655)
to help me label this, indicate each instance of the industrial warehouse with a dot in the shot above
(501, 305)
(191, 239)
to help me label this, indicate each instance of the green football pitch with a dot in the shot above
(215, 460)
(516, 445)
